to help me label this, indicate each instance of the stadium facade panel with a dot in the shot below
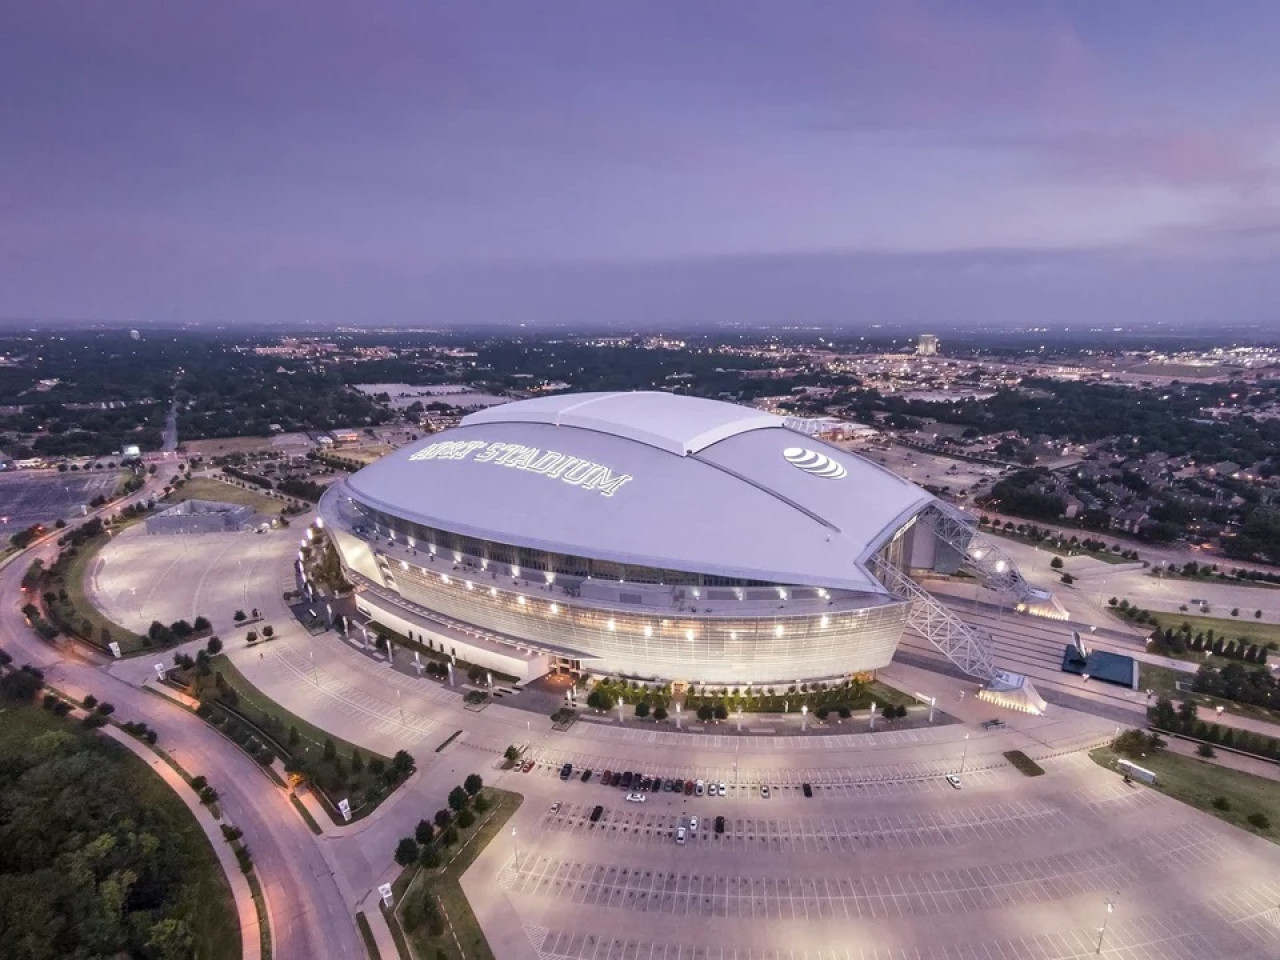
(641, 534)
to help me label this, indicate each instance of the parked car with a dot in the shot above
(566, 771)
(528, 765)
(681, 835)
(954, 781)
(719, 824)
(700, 787)
(764, 790)
(605, 777)
(597, 813)
(721, 789)
(616, 778)
(693, 824)
(586, 775)
(635, 797)
(808, 790)
(688, 788)
(626, 779)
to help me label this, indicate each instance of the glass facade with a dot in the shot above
(447, 544)
(670, 646)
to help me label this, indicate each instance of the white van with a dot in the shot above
(699, 788)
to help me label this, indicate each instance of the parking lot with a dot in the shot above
(31, 497)
(1005, 867)
(631, 823)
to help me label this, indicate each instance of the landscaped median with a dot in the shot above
(335, 769)
(1241, 799)
(431, 915)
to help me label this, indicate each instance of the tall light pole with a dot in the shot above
(1111, 906)
(515, 847)
(315, 673)
(400, 703)
(964, 753)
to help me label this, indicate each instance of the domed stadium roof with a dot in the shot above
(653, 479)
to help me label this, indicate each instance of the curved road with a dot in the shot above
(309, 915)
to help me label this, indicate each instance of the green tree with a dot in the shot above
(170, 939)
(406, 851)
(1056, 563)
(330, 750)
(642, 709)
(473, 784)
(214, 646)
(465, 818)
(357, 761)
(424, 832)
(457, 798)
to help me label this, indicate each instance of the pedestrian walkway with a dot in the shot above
(249, 929)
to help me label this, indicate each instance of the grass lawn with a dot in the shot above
(1199, 782)
(1048, 546)
(82, 607)
(1213, 580)
(442, 883)
(1233, 628)
(1162, 680)
(205, 488)
(210, 907)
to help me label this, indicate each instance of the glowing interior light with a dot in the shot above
(444, 577)
(648, 630)
(493, 591)
(826, 621)
(470, 585)
(515, 571)
(777, 631)
(688, 634)
(555, 608)
(521, 600)
(782, 594)
(403, 565)
(612, 625)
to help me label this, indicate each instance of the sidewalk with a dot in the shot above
(249, 931)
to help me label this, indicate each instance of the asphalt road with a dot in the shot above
(309, 917)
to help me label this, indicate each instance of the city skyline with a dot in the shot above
(906, 163)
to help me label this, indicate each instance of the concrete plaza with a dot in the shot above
(885, 861)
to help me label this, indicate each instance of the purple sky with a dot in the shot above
(668, 161)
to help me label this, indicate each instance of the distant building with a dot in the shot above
(200, 516)
(927, 345)
(345, 436)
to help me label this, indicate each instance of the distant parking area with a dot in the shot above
(31, 497)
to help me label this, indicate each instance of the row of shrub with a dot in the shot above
(1184, 720)
(1259, 688)
(1206, 641)
(431, 837)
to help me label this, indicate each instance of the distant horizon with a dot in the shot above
(977, 163)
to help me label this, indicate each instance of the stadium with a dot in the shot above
(649, 536)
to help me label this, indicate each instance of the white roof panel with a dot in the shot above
(673, 423)
(611, 476)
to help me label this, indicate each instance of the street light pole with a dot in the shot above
(315, 674)
(1111, 905)
(515, 847)
(400, 703)
(964, 753)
